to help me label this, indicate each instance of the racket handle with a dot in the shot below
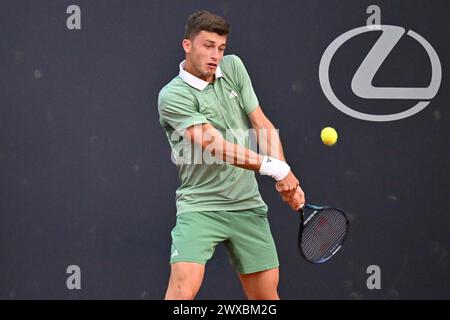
(312, 207)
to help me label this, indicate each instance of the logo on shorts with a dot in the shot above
(174, 254)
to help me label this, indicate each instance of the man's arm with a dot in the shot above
(208, 137)
(213, 143)
(269, 143)
(267, 136)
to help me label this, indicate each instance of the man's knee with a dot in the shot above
(265, 295)
(180, 291)
(261, 285)
(185, 281)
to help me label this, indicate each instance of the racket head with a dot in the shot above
(322, 232)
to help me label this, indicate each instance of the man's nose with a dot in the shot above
(215, 54)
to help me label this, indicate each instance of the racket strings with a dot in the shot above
(322, 234)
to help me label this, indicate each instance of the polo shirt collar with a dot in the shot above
(195, 82)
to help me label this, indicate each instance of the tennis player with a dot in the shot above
(219, 201)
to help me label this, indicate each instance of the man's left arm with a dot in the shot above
(269, 143)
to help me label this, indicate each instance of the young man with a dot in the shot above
(219, 202)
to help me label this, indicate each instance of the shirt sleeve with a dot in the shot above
(179, 110)
(249, 98)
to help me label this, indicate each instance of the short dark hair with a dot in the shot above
(205, 21)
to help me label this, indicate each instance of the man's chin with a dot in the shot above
(208, 74)
(210, 70)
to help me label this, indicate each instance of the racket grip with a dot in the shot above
(312, 207)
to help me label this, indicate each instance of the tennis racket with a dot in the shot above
(321, 233)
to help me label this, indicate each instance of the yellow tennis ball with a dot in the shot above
(329, 136)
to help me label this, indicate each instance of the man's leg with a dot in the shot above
(261, 285)
(185, 280)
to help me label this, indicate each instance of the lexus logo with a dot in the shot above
(362, 80)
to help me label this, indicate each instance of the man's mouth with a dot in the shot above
(212, 65)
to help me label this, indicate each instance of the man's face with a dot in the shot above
(204, 54)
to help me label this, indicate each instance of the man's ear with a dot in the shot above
(187, 45)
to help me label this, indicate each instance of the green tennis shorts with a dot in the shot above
(246, 235)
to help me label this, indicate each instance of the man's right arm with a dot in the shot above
(177, 108)
(210, 139)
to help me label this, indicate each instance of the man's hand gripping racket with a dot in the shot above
(322, 230)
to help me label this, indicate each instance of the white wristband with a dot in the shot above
(275, 168)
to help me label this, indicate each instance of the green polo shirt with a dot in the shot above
(188, 100)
